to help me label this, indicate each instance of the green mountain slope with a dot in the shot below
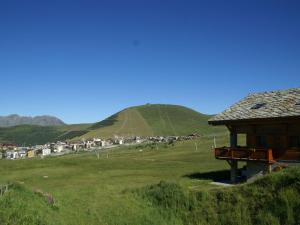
(145, 120)
(174, 120)
(33, 135)
(149, 120)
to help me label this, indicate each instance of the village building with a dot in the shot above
(103, 143)
(97, 141)
(74, 146)
(31, 153)
(12, 154)
(89, 144)
(138, 140)
(22, 153)
(8, 146)
(59, 148)
(46, 151)
(118, 141)
(270, 122)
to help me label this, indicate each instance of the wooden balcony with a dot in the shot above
(245, 154)
(291, 154)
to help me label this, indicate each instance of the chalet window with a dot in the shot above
(294, 141)
(241, 140)
(258, 105)
(261, 142)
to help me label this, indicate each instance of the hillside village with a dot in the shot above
(12, 151)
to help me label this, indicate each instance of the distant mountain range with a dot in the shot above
(16, 120)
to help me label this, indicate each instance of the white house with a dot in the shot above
(22, 153)
(103, 143)
(59, 148)
(97, 141)
(89, 144)
(12, 155)
(46, 151)
(138, 140)
(75, 147)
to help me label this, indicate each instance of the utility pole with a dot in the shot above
(215, 143)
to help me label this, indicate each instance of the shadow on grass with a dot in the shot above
(216, 176)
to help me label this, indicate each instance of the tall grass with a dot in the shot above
(274, 199)
(22, 206)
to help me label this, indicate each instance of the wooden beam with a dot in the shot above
(233, 171)
(233, 139)
(274, 120)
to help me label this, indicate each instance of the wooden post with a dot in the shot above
(269, 168)
(270, 160)
(270, 155)
(215, 143)
(233, 139)
(233, 163)
(233, 171)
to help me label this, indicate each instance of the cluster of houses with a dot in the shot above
(12, 151)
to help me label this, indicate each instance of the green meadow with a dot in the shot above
(146, 184)
(88, 190)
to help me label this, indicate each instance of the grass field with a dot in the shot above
(97, 191)
(144, 185)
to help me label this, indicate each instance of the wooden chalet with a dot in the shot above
(271, 123)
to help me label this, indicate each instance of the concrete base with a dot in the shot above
(286, 163)
(256, 169)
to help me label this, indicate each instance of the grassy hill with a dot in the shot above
(145, 120)
(169, 185)
(153, 119)
(32, 135)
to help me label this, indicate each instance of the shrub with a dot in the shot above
(274, 199)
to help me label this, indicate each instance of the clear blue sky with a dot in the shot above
(84, 60)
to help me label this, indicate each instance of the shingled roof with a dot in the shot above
(274, 104)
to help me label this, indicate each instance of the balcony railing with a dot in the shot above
(245, 154)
